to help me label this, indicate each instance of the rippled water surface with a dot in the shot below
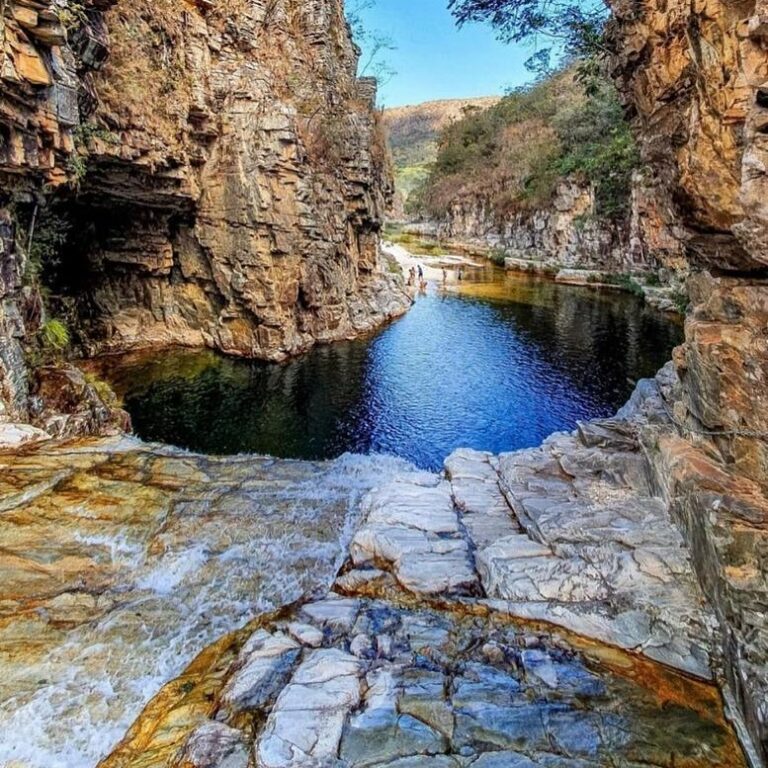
(497, 367)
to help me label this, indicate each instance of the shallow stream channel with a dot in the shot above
(172, 600)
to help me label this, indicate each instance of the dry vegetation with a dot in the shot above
(513, 155)
(414, 132)
(144, 82)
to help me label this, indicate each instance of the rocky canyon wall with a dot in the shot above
(46, 86)
(243, 196)
(567, 234)
(209, 175)
(564, 234)
(696, 74)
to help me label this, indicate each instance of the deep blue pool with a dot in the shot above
(497, 368)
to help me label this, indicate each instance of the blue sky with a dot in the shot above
(435, 60)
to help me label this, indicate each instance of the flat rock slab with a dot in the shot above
(266, 660)
(306, 723)
(449, 690)
(567, 533)
(122, 561)
(577, 540)
(413, 529)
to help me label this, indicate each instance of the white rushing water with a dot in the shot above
(221, 557)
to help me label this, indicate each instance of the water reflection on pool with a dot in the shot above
(497, 367)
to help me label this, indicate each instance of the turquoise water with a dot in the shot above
(498, 367)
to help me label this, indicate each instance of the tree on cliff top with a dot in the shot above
(373, 44)
(556, 28)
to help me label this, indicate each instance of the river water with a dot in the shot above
(179, 550)
(497, 366)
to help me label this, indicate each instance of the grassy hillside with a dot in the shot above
(514, 153)
(414, 132)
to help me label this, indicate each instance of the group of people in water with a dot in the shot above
(416, 277)
(413, 273)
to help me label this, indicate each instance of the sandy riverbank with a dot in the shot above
(432, 265)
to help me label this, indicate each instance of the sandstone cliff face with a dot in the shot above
(564, 234)
(13, 380)
(696, 74)
(215, 176)
(244, 187)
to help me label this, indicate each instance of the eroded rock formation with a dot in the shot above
(38, 112)
(241, 182)
(565, 234)
(183, 173)
(435, 646)
(217, 181)
(696, 74)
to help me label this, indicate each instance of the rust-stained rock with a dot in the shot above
(435, 696)
(241, 210)
(119, 564)
(692, 72)
(67, 403)
(695, 74)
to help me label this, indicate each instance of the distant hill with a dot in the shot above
(414, 131)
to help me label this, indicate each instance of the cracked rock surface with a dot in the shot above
(448, 688)
(530, 609)
(568, 533)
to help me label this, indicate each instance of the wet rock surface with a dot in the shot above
(119, 562)
(529, 609)
(446, 689)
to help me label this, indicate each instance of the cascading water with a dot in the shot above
(128, 560)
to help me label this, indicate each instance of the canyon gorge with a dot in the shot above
(190, 173)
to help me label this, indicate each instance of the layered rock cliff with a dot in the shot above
(208, 176)
(563, 234)
(696, 74)
(49, 52)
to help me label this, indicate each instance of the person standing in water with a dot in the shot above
(421, 274)
(445, 275)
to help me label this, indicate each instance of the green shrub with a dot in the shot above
(598, 146)
(104, 390)
(624, 281)
(681, 301)
(43, 235)
(88, 132)
(498, 256)
(513, 155)
(54, 336)
(77, 169)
